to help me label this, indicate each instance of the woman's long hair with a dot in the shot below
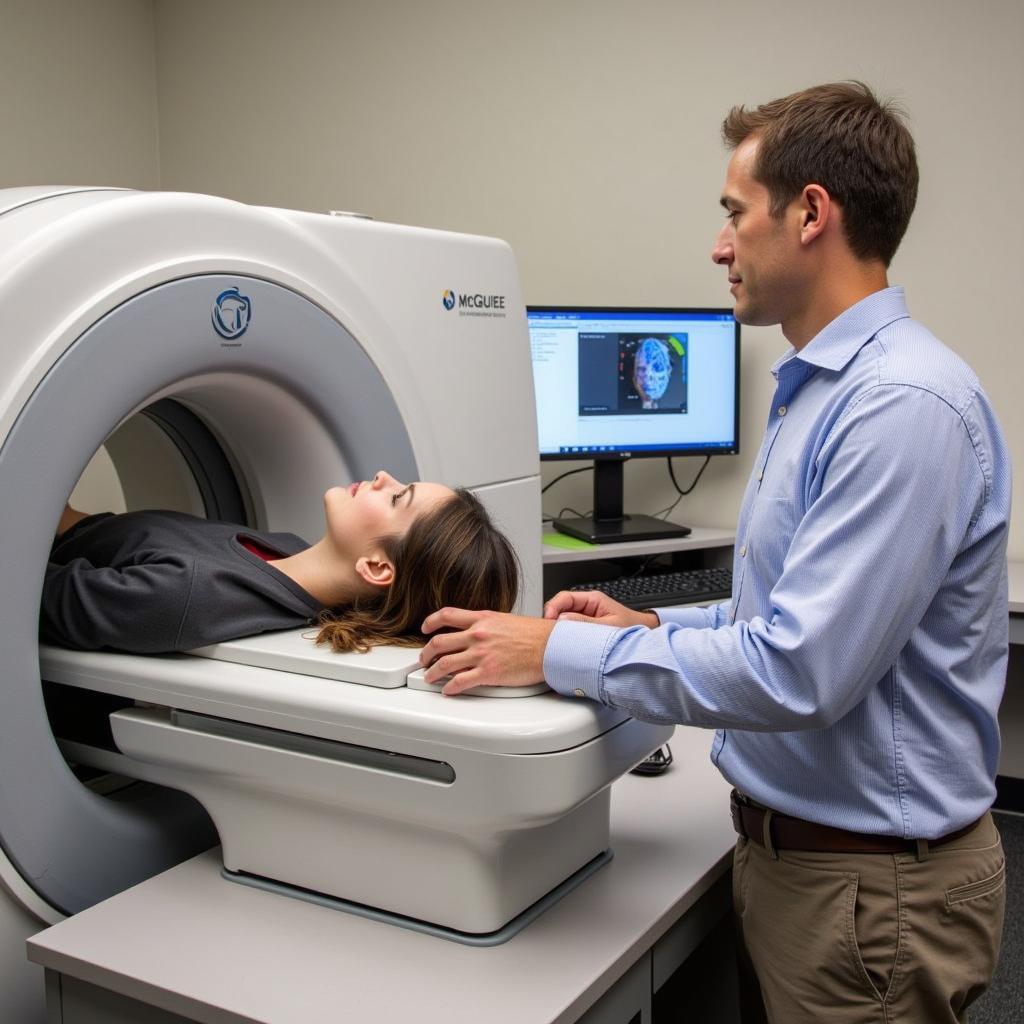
(450, 556)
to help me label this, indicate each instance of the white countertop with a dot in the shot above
(699, 537)
(1016, 575)
(192, 943)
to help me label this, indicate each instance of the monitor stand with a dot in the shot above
(609, 524)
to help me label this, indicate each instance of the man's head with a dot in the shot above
(828, 168)
(843, 138)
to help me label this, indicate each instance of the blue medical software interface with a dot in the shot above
(637, 381)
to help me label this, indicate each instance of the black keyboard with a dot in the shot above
(666, 588)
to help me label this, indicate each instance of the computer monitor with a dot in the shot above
(614, 383)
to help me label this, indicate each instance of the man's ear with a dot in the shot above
(376, 569)
(815, 211)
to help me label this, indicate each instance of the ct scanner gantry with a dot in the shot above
(272, 354)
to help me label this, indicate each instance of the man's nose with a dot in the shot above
(721, 251)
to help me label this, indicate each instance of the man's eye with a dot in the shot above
(731, 214)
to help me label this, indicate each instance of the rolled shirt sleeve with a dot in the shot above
(707, 617)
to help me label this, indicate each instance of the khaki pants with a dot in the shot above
(869, 938)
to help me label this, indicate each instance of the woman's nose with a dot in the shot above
(383, 479)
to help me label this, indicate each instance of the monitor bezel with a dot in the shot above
(673, 451)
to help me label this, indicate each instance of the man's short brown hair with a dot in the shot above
(839, 136)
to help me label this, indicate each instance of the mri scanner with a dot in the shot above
(235, 362)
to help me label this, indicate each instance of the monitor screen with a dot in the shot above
(614, 383)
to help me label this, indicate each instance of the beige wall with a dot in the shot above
(78, 81)
(585, 133)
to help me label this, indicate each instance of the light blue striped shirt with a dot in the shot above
(856, 674)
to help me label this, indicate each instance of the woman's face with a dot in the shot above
(361, 513)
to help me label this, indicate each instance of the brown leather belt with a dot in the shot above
(776, 831)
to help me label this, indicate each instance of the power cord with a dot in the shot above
(562, 476)
(545, 518)
(656, 763)
(666, 512)
(672, 474)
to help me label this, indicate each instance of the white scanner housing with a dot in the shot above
(363, 346)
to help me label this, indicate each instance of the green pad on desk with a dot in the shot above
(563, 540)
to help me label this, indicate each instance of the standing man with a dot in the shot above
(855, 676)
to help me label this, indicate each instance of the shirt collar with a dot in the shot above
(838, 342)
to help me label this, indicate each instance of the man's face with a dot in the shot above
(761, 252)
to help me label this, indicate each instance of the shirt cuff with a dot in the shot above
(692, 618)
(574, 658)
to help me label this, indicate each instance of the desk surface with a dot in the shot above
(1016, 587)
(192, 943)
(700, 537)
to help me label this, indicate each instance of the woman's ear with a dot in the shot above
(376, 570)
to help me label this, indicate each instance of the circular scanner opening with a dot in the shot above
(297, 407)
(162, 457)
(234, 447)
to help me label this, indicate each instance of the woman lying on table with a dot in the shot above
(155, 582)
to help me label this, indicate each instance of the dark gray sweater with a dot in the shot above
(156, 582)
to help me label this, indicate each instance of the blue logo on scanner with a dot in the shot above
(231, 314)
(448, 298)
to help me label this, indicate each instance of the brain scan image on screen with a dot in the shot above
(652, 371)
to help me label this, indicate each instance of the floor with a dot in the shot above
(1004, 1001)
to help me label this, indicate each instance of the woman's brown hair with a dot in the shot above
(450, 556)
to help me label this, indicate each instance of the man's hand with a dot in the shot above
(593, 606)
(487, 649)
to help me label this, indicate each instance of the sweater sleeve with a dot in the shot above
(136, 608)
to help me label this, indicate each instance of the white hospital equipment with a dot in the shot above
(242, 360)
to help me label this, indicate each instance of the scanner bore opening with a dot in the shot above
(165, 457)
(301, 406)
